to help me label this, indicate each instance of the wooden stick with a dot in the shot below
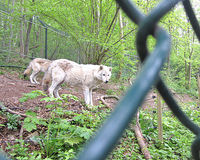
(106, 97)
(141, 139)
(14, 112)
(141, 142)
(159, 110)
(11, 111)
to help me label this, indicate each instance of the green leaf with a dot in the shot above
(31, 113)
(73, 140)
(29, 126)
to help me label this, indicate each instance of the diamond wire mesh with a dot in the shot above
(103, 143)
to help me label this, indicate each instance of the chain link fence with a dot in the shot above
(23, 38)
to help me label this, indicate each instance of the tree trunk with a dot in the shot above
(26, 48)
(41, 40)
(190, 64)
(11, 32)
(159, 111)
(198, 84)
(168, 59)
(22, 32)
(119, 73)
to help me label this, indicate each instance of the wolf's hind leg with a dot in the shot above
(53, 89)
(34, 78)
(31, 79)
(56, 90)
(58, 76)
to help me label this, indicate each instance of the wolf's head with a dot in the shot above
(104, 73)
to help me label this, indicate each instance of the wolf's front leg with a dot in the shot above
(90, 94)
(51, 89)
(86, 95)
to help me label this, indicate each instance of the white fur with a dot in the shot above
(37, 65)
(86, 76)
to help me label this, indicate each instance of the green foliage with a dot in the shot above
(66, 97)
(177, 139)
(12, 120)
(31, 95)
(31, 122)
(19, 150)
(65, 132)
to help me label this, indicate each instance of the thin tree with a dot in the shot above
(26, 47)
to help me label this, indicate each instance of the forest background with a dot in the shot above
(96, 32)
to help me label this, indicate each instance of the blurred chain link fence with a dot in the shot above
(29, 38)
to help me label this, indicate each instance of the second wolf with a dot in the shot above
(86, 76)
(37, 65)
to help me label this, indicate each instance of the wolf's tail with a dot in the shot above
(28, 70)
(46, 79)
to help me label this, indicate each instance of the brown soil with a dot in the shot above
(12, 89)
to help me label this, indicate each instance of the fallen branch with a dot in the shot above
(140, 138)
(14, 112)
(11, 111)
(106, 97)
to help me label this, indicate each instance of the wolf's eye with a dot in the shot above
(104, 74)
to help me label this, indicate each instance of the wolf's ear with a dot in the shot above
(110, 69)
(101, 67)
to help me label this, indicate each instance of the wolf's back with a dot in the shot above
(46, 79)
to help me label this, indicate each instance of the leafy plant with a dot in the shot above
(19, 150)
(32, 95)
(31, 122)
(67, 97)
(13, 121)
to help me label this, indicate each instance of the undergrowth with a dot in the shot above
(66, 131)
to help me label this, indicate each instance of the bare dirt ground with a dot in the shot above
(12, 89)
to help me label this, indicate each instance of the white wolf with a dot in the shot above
(37, 65)
(86, 76)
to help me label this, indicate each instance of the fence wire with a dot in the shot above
(45, 41)
(104, 141)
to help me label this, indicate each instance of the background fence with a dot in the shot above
(32, 38)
